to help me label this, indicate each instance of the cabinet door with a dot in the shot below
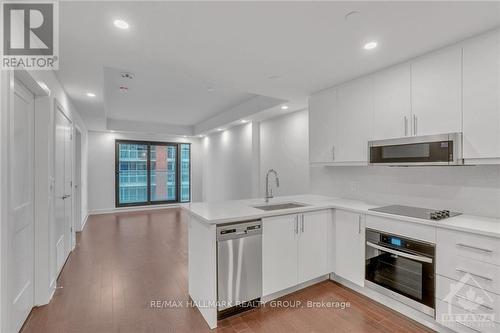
(355, 110)
(313, 245)
(391, 103)
(350, 246)
(437, 93)
(322, 120)
(481, 66)
(279, 253)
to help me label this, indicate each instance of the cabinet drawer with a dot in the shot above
(482, 248)
(462, 321)
(486, 275)
(403, 228)
(468, 297)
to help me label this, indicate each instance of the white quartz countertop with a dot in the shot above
(244, 210)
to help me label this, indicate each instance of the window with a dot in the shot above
(152, 173)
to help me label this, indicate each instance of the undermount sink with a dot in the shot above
(283, 205)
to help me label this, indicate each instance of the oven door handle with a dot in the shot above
(399, 253)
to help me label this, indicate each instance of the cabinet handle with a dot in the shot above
(333, 153)
(481, 305)
(474, 248)
(302, 226)
(296, 226)
(406, 125)
(464, 325)
(414, 125)
(359, 224)
(474, 274)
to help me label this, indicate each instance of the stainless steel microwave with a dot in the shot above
(441, 149)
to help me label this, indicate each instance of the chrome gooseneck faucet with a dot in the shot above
(269, 191)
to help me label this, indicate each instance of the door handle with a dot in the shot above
(359, 224)
(66, 196)
(333, 153)
(414, 125)
(399, 253)
(296, 226)
(406, 125)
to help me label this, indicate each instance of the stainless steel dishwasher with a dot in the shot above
(239, 267)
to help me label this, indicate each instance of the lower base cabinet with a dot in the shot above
(294, 249)
(350, 246)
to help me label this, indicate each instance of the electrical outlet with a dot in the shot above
(354, 187)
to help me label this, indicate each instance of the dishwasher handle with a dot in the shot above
(239, 230)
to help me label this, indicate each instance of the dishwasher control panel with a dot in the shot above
(239, 229)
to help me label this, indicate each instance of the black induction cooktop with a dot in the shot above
(416, 212)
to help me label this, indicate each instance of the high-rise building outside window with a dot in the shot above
(152, 172)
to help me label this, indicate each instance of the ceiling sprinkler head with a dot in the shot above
(123, 89)
(127, 75)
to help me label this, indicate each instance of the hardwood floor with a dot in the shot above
(124, 261)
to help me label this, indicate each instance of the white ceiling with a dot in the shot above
(283, 50)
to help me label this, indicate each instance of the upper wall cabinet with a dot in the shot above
(322, 118)
(456, 89)
(481, 98)
(436, 89)
(392, 103)
(355, 110)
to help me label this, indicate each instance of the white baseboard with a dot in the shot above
(290, 290)
(393, 304)
(130, 209)
(84, 222)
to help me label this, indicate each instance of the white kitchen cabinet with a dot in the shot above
(350, 246)
(436, 89)
(392, 103)
(355, 110)
(481, 98)
(294, 249)
(313, 245)
(279, 253)
(322, 122)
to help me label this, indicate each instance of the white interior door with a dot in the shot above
(63, 188)
(77, 184)
(21, 205)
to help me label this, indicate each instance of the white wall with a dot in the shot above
(284, 147)
(45, 240)
(468, 189)
(236, 160)
(227, 164)
(101, 161)
(45, 174)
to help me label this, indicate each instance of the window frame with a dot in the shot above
(148, 201)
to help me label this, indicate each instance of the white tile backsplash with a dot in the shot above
(469, 189)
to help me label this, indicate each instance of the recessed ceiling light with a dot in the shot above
(201, 136)
(121, 24)
(220, 129)
(284, 107)
(90, 94)
(244, 121)
(370, 45)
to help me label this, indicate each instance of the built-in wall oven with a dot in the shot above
(401, 268)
